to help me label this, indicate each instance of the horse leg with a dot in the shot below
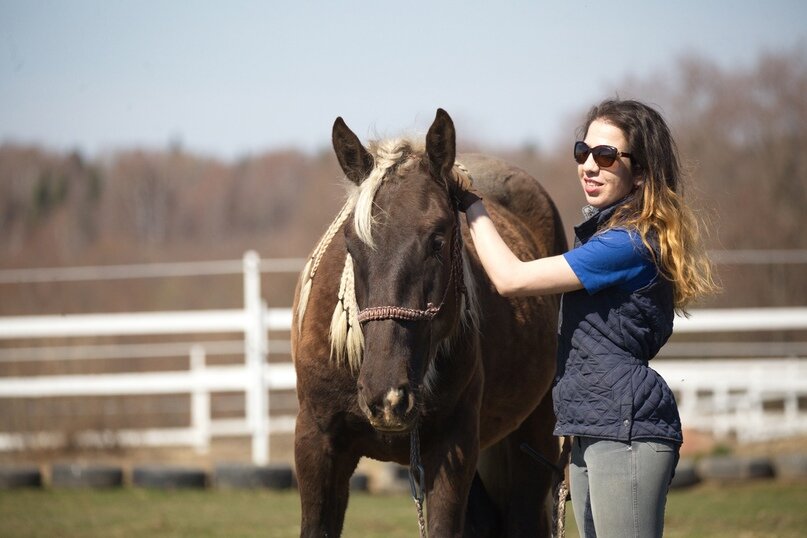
(519, 484)
(482, 517)
(530, 509)
(323, 478)
(450, 465)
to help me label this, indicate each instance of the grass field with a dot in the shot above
(744, 511)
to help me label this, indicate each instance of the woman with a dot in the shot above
(637, 259)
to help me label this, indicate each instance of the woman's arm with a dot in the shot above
(509, 275)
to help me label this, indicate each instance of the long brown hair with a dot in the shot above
(657, 208)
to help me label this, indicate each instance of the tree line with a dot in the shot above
(740, 131)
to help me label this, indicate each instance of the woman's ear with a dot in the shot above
(638, 175)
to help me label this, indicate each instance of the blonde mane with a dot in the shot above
(310, 269)
(391, 157)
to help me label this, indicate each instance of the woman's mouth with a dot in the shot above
(591, 186)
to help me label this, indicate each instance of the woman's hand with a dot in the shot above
(466, 197)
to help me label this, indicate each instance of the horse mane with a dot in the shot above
(310, 269)
(393, 157)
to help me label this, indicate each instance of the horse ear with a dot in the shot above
(356, 162)
(441, 145)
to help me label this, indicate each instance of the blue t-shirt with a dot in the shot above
(615, 257)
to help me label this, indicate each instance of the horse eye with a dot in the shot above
(438, 241)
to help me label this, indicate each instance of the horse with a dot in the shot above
(403, 348)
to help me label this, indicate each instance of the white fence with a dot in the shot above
(753, 400)
(255, 377)
(725, 397)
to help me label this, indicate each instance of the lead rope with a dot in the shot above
(559, 522)
(417, 477)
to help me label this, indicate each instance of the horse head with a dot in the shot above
(405, 245)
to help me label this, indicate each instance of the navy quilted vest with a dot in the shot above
(604, 387)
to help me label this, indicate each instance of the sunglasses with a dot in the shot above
(604, 156)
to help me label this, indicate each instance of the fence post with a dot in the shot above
(720, 409)
(200, 402)
(792, 398)
(255, 347)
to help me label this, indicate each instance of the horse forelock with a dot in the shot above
(392, 158)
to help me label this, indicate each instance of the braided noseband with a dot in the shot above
(377, 313)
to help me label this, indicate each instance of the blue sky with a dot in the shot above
(232, 78)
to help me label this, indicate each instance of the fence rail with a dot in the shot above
(735, 397)
(255, 377)
(149, 270)
(723, 396)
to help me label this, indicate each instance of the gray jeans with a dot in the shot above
(620, 489)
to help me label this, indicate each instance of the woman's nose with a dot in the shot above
(590, 164)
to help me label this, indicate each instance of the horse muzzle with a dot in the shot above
(391, 411)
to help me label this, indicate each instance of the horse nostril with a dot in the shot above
(397, 398)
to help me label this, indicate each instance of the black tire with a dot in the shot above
(26, 476)
(168, 477)
(727, 469)
(791, 467)
(245, 476)
(685, 475)
(77, 475)
(359, 482)
(401, 472)
(390, 478)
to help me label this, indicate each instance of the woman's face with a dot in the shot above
(605, 186)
